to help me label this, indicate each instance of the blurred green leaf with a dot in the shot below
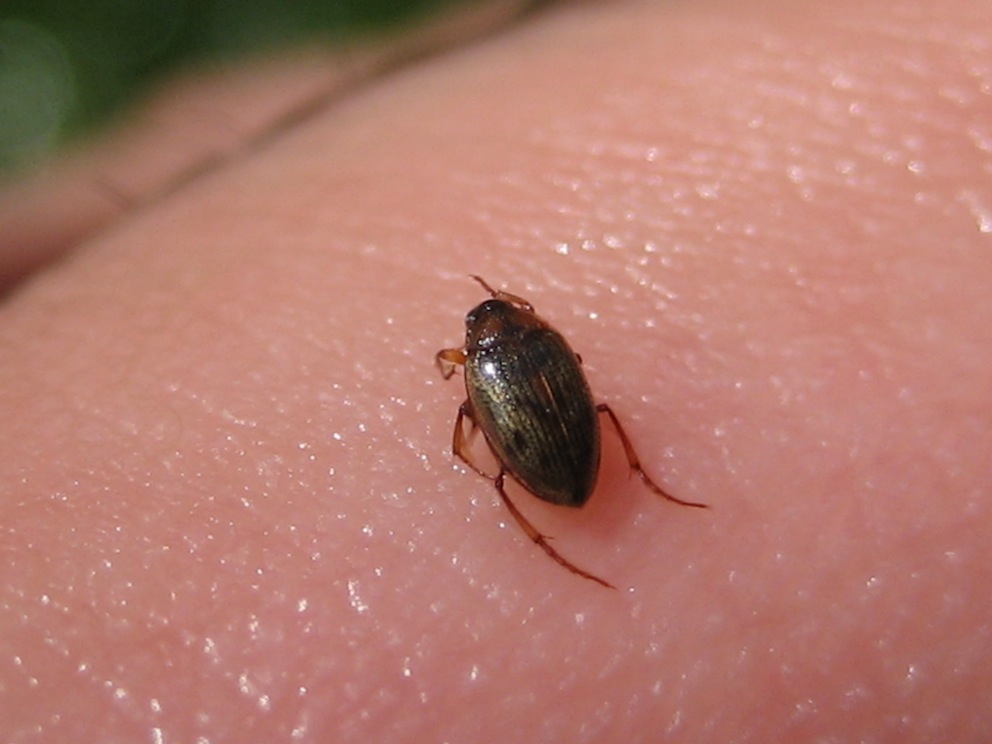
(67, 65)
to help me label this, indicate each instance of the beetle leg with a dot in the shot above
(459, 442)
(447, 359)
(459, 445)
(540, 539)
(499, 294)
(635, 463)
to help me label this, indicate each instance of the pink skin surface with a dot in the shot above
(228, 506)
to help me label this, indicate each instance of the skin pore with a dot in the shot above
(228, 503)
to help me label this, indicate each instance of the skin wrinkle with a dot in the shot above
(252, 535)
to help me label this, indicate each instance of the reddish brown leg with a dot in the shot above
(499, 294)
(459, 442)
(540, 539)
(635, 463)
(447, 359)
(459, 446)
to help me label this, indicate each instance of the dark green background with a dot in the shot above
(67, 65)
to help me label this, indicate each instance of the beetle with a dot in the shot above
(528, 395)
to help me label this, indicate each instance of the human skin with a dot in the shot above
(229, 506)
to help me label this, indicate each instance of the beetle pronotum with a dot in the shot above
(529, 396)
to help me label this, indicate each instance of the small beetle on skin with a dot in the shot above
(529, 396)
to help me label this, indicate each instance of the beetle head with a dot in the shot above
(495, 322)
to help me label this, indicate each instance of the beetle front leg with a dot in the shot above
(499, 294)
(450, 357)
(635, 462)
(540, 539)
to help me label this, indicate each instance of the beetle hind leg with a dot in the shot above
(635, 463)
(539, 538)
(459, 446)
